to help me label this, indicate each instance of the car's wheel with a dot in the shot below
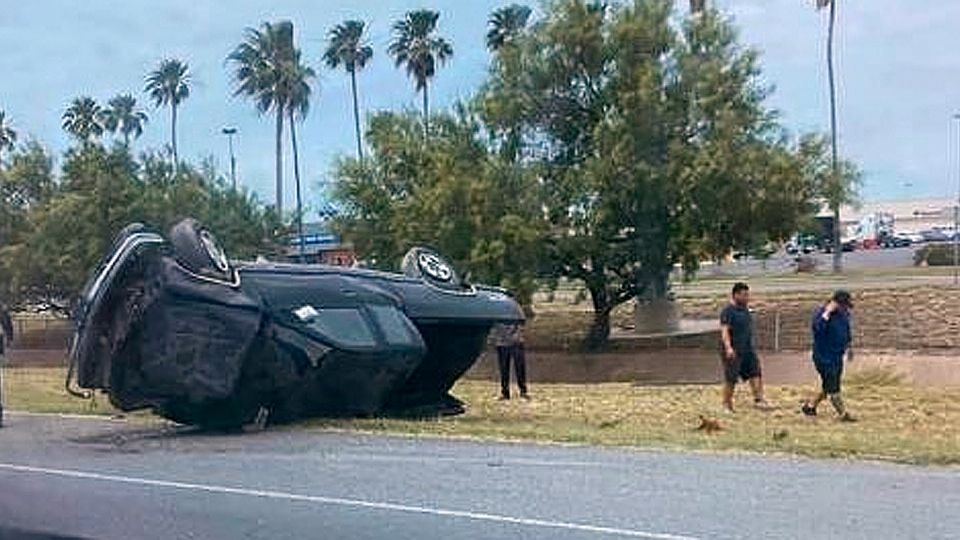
(197, 249)
(426, 264)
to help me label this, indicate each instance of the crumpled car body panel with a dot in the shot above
(297, 340)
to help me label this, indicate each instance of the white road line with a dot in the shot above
(355, 503)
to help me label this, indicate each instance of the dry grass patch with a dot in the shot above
(42, 390)
(899, 423)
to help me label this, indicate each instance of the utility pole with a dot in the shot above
(230, 132)
(956, 223)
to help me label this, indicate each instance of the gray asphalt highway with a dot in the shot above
(110, 479)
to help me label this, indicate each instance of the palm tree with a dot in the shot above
(124, 117)
(834, 151)
(416, 46)
(82, 119)
(296, 81)
(8, 137)
(346, 47)
(270, 71)
(506, 24)
(258, 62)
(169, 85)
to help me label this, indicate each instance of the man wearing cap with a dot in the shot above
(831, 341)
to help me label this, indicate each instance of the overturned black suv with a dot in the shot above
(174, 326)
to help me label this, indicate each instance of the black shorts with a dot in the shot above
(830, 375)
(743, 366)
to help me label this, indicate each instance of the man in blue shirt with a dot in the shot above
(831, 342)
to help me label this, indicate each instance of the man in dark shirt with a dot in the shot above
(831, 341)
(508, 339)
(6, 334)
(740, 360)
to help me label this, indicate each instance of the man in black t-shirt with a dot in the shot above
(739, 358)
(6, 334)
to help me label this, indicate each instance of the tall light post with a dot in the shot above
(956, 221)
(230, 132)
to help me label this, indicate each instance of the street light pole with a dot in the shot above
(956, 220)
(230, 132)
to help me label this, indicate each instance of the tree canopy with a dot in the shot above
(54, 229)
(609, 144)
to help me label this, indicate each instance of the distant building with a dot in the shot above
(320, 246)
(909, 216)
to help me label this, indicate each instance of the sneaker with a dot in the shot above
(504, 398)
(808, 409)
(847, 417)
(525, 396)
(763, 405)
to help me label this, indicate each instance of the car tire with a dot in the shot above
(197, 250)
(431, 267)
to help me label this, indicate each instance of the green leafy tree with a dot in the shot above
(8, 136)
(66, 226)
(82, 119)
(169, 86)
(25, 185)
(836, 185)
(123, 116)
(417, 47)
(450, 193)
(653, 145)
(347, 48)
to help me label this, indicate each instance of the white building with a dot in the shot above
(910, 216)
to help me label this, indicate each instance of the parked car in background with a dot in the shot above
(805, 245)
(915, 238)
(935, 235)
(893, 241)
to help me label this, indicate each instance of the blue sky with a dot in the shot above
(896, 61)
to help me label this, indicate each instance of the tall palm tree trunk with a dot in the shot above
(835, 160)
(279, 163)
(296, 176)
(426, 109)
(356, 114)
(173, 136)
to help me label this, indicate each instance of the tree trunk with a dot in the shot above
(599, 332)
(356, 114)
(173, 136)
(837, 248)
(296, 176)
(279, 165)
(426, 109)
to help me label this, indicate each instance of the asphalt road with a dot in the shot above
(781, 263)
(100, 479)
